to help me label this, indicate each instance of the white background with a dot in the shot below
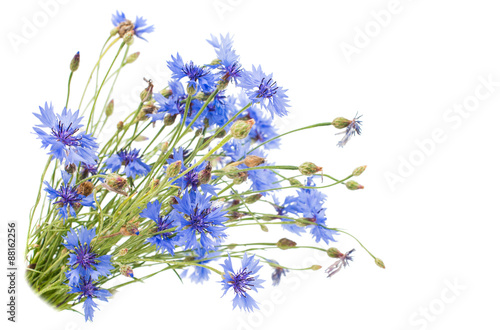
(436, 225)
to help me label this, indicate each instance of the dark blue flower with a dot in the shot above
(131, 160)
(228, 61)
(352, 129)
(89, 290)
(67, 143)
(199, 217)
(165, 241)
(139, 27)
(242, 281)
(83, 261)
(198, 76)
(262, 88)
(220, 109)
(67, 198)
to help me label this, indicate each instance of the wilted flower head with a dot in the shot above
(123, 25)
(342, 262)
(353, 128)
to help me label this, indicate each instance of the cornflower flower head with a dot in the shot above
(199, 217)
(228, 61)
(262, 179)
(220, 109)
(83, 261)
(351, 130)
(130, 159)
(339, 264)
(123, 25)
(242, 281)
(278, 272)
(67, 143)
(263, 89)
(283, 209)
(89, 290)
(164, 241)
(67, 198)
(198, 76)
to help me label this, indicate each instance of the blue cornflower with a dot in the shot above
(242, 281)
(67, 143)
(67, 197)
(199, 217)
(172, 105)
(308, 204)
(283, 209)
(262, 88)
(201, 274)
(228, 61)
(88, 169)
(263, 129)
(124, 25)
(352, 129)
(278, 272)
(89, 290)
(165, 241)
(220, 109)
(132, 162)
(83, 260)
(198, 76)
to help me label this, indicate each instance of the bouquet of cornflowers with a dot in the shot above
(106, 209)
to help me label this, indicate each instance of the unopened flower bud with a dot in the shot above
(264, 228)
(379, 263)
(340, 122)
(141, 138)
(164, 147)
(122, 252)
(116, 183)
(232, 246)
(315, 267)
(359, 170)
(206, 174)
(166, 92)
(132, 57)
(70, 168)
(85, 188)
(294, 182)
(168, 119)
(309, 168)
(220, 135)
(75, 62)
(242, 177)
(334, 253)
(215, 62)
(253, 198)
(128, 38)
(174, 169)
(126, 270)
(130, 229)
(119, 126)
(231, 171)
(154, 183)
(241, 128)
(109, 108)
(147, 93)
(191, 89)
(252, 161)
(353, 185)
(285, 244)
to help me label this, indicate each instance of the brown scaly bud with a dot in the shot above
(231, 171)
(359, 170)
(124, 27)
(75, 62)
(252, 161)
(173, 201)
(130, 229)
(235, 216)
(110, 108)
(242, 177)
(353, 185)
(70, 168)
(132, 57)
(85, 188)
(119, 126)
(126, 270)
(154, 183)
(340, 122)
(285, 244)
(241, 128)
(253, 198)
(116, 184)
(206, 174)
(122, 252)
(169, 119)
(174, 169)
(309, 168)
